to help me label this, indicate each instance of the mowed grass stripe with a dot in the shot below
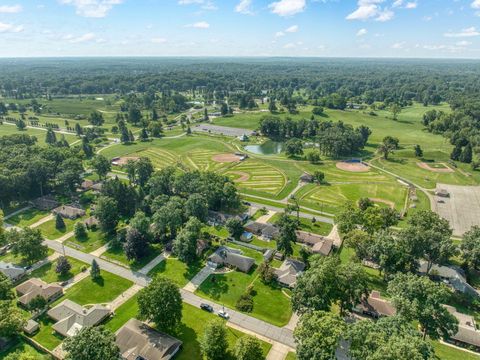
(262, 177)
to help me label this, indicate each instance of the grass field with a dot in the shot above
(27, 217)
(117, 254)
(7, 129)
(50, 232)
(160, 158)
(102, 291)
(176, 270)
(445, 352)
(22, 348)
(48, 274)
(270, 304)
(94, 240)
(46, 336)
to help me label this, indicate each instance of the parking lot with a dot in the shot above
(461, 208)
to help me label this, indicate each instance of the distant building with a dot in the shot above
(69, 212)
(92, 222)
(220, 218)
(319, 244)
(71, 318)
(467, 334)
(138, 341)
(13, 272)
(30, 289)
(306, 178)
(243, 138)
(374, 306)
(231, 257)
(45, 203)
(269, 254)
(267, 231)
(289, 271)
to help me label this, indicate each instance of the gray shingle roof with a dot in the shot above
(13, 272)
(288, 272)
(232, 257)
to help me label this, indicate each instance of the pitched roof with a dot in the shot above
(72, 317)
(319, 244)
(69, 211)
(11, 271)
(233, 257)
(467, 330)
(376, 305)
(288, 272)
(32, 288)
(137, 340)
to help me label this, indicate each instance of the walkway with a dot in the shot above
(124, 297)
(43, 262)
(292, 324)
(79, 277)
(65, 237)
(278, 352)
(198, 279)
(335, 237)
(42, 221)
(99, 251)
(6, 217)
(147, 268)
(264, 219)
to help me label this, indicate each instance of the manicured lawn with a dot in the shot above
(445, 352)
(25, 349)
(307, 225)
(291, 356)
(117, 254)
(48, 274)
(102, 291)
(46, 335)
(176, 270)
(269, 303)
(49, 230)
(9, 257)
(94, 240)
(27, 217)
(190, 332)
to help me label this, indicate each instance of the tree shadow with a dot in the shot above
(215, 286)
(100, 281)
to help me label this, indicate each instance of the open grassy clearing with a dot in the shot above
(7, 129)
(48, 274)
(190, 331)
(117, 254)
(9, 257)
(160, 158)
(445, 352)
(94, 240)
(101, 291)
(50, 232)
(261, 177)
(176, 270)
(23, 348)
(27, 217)
(46, 336)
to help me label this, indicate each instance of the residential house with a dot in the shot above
(226, 256)
(453, 275)
(288, 272)
(306, 178)
(467, 334)
(138, 341)
(92, 222)
(267, 231)
(268, 255)
(71, 317)
(45, 203)
(69, 212)
(30, 289)
(13, 272)
(319, 244)
(374, 306)
(220, 218)
(86, 184)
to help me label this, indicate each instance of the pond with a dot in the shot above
(267, 148)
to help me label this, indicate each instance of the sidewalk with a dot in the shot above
(147, 268)
(6, 217)
(42, 221)
(264, 219)
(124, 297)
(278, 352)
(99, 251)
(198, 279)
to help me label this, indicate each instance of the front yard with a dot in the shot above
(117, 254)
(27, 217)
(48, 274)
(50, 232)
(94, 240)
(176, 270)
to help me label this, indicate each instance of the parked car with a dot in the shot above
(223, 314)
(206, 307)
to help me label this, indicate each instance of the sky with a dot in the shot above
(233, 28)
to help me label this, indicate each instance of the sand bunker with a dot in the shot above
(390, 204)
(352, 166)
(243, 176)
(444, 169)
(121, 161)
(226, 158)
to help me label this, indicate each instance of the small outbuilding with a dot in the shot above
(306, 178)
(31, 327)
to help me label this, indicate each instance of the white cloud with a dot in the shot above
(368, 9)
(397, 3)
(279, 34)
(385, 15)
(362, 32)
(288, 7)
(292, 29)
(199, 25)
(399, 45)
(92, 8)
(82, 38)
(402, 4)
(476, 4)
(205, 4)
(463, 43)
(159, 40)
(289, 46)
(244, 7)
(468, 32)
(411, 5)
(10, 28)
(10, 9)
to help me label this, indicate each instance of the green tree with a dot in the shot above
(92, 343)
(294, 147)
(470, 248)
(185, 244)
(385, 148)
(59, 222)
(50, 137)
(288, 236)
(143, 135)
(272, 106)
(141, 223)
(11, 319)
(418, 151)
(319, 176)
(21, 125)
(234, 227)
(313, 157)
(107, 213)
(134, 115)
(6, 292)
(466, 155)
(160, 302)
(214, 343)
(196, 206)
(395, 109)
(95, 271)
(419, 298)
(63, 266)
(29, 245)
(101, 165)
(37, 303)
(143, 170)
(96, 118)
(136, 244)
(318, 334)
(248, 348)
(266, 272)
(80, 231)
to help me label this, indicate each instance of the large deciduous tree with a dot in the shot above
(92, 343)
(470, 247)
(185, 244)
(107, 213)
(136, 244)
(214, 343)
(248, 348)
(101, 165)
(28, 243)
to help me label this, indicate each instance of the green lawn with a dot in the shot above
(23, 348)
(445, 352)
(48, 274)
(9, 257)
(46, 335)
(102, 291)
(27, 217)
(190, 332)
(50, 232)
(291, 356)
(318, 227)
(176, 270)
(270, 304)
(94, 240)
(117, 254)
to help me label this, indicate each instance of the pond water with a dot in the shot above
(267, 148)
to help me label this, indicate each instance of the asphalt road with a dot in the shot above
(275, 333)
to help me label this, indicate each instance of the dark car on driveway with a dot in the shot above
(206, 307)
